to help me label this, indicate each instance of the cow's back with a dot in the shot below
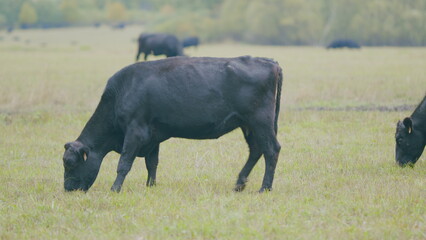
(191, 95)
(192, 75)
(159, 44)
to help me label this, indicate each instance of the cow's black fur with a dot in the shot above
(344, 43)
(410, 136)
(190, 41)
(159, 44)
(147, 103)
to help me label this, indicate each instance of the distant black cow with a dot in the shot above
(190, 41)
(118, 26)
(159, 44)
(410, 136)
(147, 103)
(343, 43)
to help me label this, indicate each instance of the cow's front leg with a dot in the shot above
(134, 138)
(124, 166)
(151, 161)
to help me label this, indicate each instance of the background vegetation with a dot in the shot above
(278, 22)
(336, 177)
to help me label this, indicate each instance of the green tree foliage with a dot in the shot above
(272, 21)
(117, 11)
(28, 14)
(232, 21)
(70, 10)
(262, 22)
(284, 22)
(391, 22)
(300, 22)
(317, 22)
(100, 4)
(49, 13)
(3, 19)
(10, 10)
(191, 24)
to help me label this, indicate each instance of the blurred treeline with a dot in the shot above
(280, 22)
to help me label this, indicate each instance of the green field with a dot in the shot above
(336, 177)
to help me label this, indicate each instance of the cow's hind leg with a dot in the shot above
(134, 139)
(271, 149)
(265, 137)
(151, 162)
(255, 154)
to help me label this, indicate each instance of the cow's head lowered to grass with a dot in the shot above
(410, 143)
(77, 174)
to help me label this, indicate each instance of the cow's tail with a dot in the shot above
(279, 79)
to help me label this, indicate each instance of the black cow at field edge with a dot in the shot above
(159, 44)
(147, 103)
(410, 136)
(190, 41)
(343, 43)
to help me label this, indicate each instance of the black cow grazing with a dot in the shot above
(190, 41)
(147, 103)
(410, 136)
(344, 43)
(159, 44)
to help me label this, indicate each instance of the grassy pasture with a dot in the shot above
(336, 177)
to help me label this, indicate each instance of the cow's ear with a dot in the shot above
(85, 152)
(408, 123)
(67, 145)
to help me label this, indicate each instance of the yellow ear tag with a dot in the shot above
(84, 156)
(409, 130)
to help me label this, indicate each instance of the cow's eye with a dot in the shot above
(399, 141)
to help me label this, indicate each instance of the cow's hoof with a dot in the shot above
(239, 187)
(116, 189)
(151, 183)
(265, 189)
